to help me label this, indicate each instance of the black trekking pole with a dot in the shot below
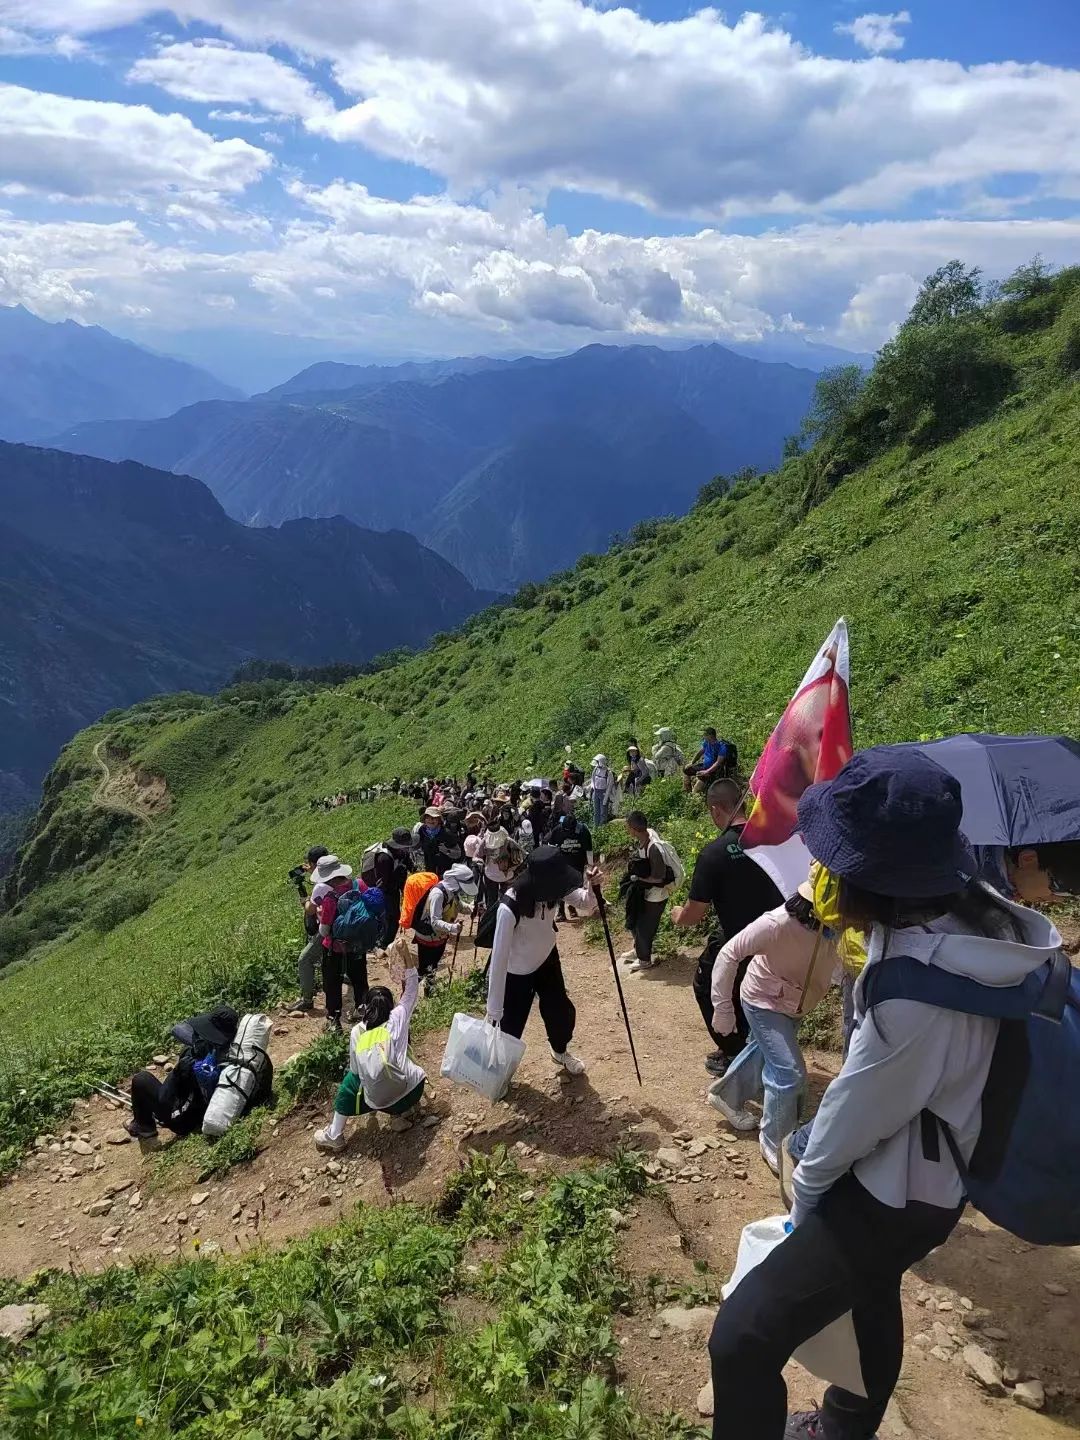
(453, 958)
(618, 982)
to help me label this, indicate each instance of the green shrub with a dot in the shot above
(121, 904)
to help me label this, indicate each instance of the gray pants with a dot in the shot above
(648, 923)
(310, 956)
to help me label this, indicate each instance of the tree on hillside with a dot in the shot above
(1028, 281)
(952, 292)
(835, 396)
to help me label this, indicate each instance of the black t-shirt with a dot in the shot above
(734, 885)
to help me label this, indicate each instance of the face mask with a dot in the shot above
(851, 943)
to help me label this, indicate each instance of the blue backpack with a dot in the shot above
(359, 920)
(1023, 1171)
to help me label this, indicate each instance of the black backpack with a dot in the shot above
(484, 938)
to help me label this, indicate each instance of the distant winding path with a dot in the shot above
(107, 802)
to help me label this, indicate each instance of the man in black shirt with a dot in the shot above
(739, 891)
(574, 839)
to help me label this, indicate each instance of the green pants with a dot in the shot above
(349, 1099)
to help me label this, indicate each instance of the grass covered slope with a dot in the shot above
(956, 566)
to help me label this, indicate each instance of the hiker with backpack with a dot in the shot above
(311, 954)
(386, 865)
(714, 760)
(430, 910)
(501, 855)
(350, 924)
(654, 879)
(603, 791)
(179, 1101)
(636, 774)
(427, 839)
(919, 1114)
(792, 961)
(525, 961)
(666, 755)
(573, 840)
(382, 1075)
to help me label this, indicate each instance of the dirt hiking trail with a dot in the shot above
(85, 1201)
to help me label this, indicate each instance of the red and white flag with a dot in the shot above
(811, 742)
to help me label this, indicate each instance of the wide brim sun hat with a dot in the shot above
(890, 823)
(331, 868)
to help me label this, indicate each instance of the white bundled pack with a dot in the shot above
(247, 1072)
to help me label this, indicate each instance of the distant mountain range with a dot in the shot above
(510, 469)
(118, 582)
(54, 376)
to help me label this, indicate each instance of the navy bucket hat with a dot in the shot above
(890, 822)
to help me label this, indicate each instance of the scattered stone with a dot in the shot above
(169, 1250)
(333, 1167)
(19, 1321)
(430, 1121)
(655, 1333)
(398, 1124)
(940, 1353)
(108, 1238)
(1011, 1375)
(941, 1336)
(1052, 1287)
(991, 1333)
(237, 1211)
(181, 1219)
(117, 1137)
(705, 1400)
(135, 1201)
(618, 1219)
(100, 1207)
(161, 1059)
(944, 1306)
(527, 1195)
(200, 1198)
(80, 1147)
(922, 1297)
(325, 1200)
(686, 1321)
(211, 1247)
(922, 1339)
(670, 1159)
(965, 1303)
(984, 1368)
(696, 1148)
(1030, 1394)
(683, 1135)
(118, 1187)
(99, 1163)
(740, 1175)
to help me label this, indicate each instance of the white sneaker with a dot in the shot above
(570, 1063)
(628, 957)
(737, 1119)
(325, 1141)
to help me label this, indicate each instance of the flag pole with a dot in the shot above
(618, 983)
(810, 969)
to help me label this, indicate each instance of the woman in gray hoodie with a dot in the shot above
(870, 1200)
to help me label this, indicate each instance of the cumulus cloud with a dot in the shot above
(213, 71)
(23, 42)
(693, 116)
(877, 33)
(94, 150)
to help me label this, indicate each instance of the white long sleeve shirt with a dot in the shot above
(522, 946)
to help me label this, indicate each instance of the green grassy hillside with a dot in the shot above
(955, 563)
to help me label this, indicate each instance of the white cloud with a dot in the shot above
(23, 42)
(691, 117)
(877, 33)
(93, 150)
(240, 117)
(213, 71)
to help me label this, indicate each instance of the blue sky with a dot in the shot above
(412, 177)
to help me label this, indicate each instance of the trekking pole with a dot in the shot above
(618, 982)
(453, 958)
(110, 1092)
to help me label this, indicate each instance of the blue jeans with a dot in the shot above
(598, 809)
(770, 1068)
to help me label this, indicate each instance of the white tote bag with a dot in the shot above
(833, 1353)
(481, 1056)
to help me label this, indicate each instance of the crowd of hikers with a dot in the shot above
(931, 939)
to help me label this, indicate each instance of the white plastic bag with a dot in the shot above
(833, 1353)
(481, 1056)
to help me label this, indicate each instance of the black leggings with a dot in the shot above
(353, 965)
(848, 1254)
(428, 957)
(731, 1044)
(556, 1008)
(177, 1102)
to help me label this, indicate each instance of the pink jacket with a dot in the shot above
(776, 979)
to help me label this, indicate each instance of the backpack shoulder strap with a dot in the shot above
(1044, 992)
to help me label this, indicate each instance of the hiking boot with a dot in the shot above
(786, 1170)
(141, 1132)
(301, 1005)
(570, 1063)
(333, 1022)
(808, 1425)
(716, 1064)
(737, 1119)
(628, 957)
(429, 985)
(649, 964)
(325, 1141)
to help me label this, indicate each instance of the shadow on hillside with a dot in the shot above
(573, 1123)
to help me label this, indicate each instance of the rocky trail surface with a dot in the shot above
(991, 1323)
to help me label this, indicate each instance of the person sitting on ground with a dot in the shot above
(311, 954)
(636, 775)
(179, 1101)
(341, 960)
(791, 966)
(603, 789)
(875, 1192)
(711, 762)
(524, 956)
(435, 921)
(382, 1075)
(656, 887)
(739, 891)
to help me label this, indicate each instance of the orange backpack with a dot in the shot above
(416, 887)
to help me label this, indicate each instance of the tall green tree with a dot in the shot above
(953, 292)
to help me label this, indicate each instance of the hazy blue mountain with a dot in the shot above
(659, 424)
(118, 582)
(331, 375)
(53, 376)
